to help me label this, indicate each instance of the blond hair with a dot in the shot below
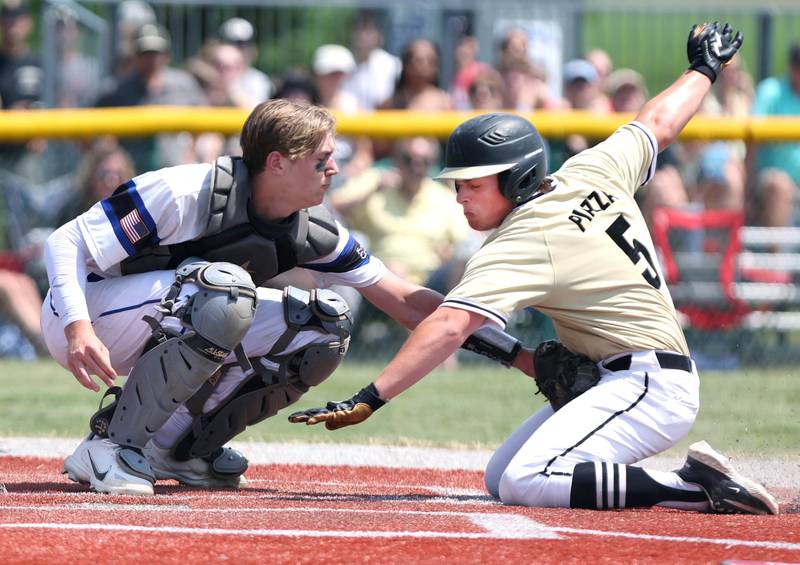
(294, 129)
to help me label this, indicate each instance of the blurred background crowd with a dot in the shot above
(384, 191)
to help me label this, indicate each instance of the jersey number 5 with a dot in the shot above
(634, 250)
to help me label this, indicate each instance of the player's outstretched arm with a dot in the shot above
(710, 48)
(434, 340)
(403, 301)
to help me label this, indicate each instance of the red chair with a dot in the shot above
(707, 263)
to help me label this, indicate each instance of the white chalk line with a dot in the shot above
(436, 489)
(498, 526)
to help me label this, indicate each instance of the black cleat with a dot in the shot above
(727, 491)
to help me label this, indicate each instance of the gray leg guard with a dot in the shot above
(276, 383)
(218, 315)
(277, 380)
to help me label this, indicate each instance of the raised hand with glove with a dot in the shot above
(711, 47)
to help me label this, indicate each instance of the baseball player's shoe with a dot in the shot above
(727, 491)
(109, 468)
(230, 467)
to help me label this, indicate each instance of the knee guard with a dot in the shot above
(277, 381)
(217, 317)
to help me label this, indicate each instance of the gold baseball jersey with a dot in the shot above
(582, 255)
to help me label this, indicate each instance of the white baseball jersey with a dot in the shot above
(168, 206)
(172, 206)
(582, 254)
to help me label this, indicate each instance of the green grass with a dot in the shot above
(475, 406)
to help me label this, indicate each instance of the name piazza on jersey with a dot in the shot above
(597, 201)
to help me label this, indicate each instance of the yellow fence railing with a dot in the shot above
(18, 125)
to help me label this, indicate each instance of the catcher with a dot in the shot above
(575, 246)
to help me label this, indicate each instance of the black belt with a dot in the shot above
(666, 360)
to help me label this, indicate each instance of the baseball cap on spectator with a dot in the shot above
(13, 8)
(624, 77)
(236, 30)
(333, 58)
(579, 69)
(23, 87)
(152, 38)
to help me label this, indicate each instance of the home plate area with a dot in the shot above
(293, 513)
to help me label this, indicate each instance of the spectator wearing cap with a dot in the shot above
(581, 92)
(373, 80)
(331, 64)
(774, 168)
(627, 90)
(582, 87)
(254, 84)
(20, 70)
(152, 82)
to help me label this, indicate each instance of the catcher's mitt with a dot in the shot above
(562, 375)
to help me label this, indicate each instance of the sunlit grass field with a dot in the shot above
(753, 413)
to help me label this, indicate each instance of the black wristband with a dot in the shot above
(369, 396)
(704, 69)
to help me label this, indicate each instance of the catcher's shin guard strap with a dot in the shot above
(493, 343)
(101, 419)
(277, 383)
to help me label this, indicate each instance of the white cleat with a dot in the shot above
(224, 470)
(109, 468)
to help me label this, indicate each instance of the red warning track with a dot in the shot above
(297, 514)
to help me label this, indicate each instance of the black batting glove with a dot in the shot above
(345, 413)
(711, 47)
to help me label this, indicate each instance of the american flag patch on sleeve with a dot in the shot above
(133, 226)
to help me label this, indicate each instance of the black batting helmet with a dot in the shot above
(498, 143)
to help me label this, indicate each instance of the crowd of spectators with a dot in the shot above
(384, 190)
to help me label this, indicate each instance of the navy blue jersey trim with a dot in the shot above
(126, 308)
(119, 205)
(115, 225)
(146, 217)
(650, 167)
(351, 258)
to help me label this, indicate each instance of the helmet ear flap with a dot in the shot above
(518, 186)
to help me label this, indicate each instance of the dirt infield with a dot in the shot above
(298, 513)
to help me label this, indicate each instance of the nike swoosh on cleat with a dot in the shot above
(100, 476)
(735, 490)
